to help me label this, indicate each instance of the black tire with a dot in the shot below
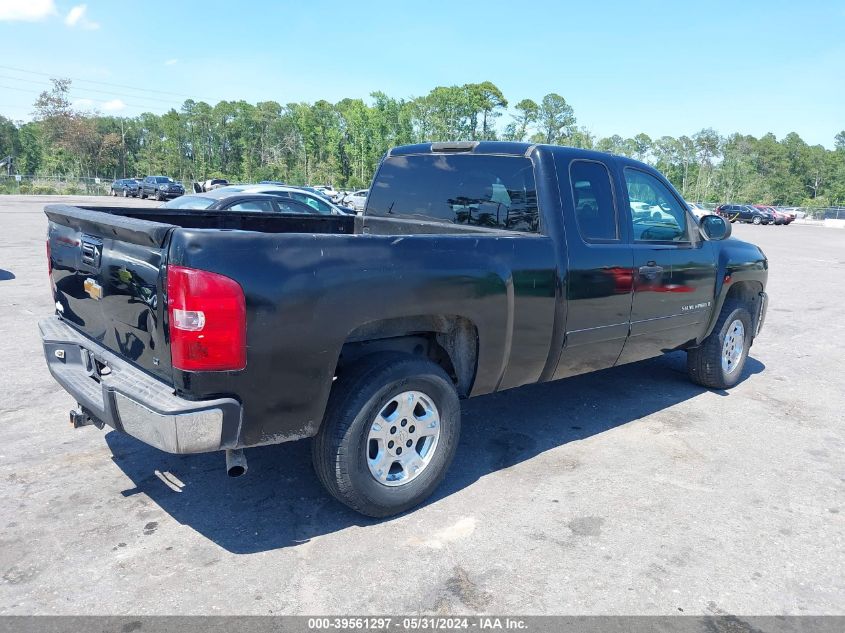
(125, 193)
(339, 450)
(704, 363)
(141, 194)
(158, 196)
(756, 219)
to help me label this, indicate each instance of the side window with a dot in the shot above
(317, 205)
(592, 197)
(262, 206)
(288, 205)
(656, 214)
(471, 189)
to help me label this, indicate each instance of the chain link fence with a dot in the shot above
(819, 213)
(54, 185)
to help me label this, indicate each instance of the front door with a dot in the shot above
(674, 270)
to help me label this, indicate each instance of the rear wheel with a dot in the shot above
(389, 434)
(719, 360)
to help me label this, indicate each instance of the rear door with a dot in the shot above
(599, 283)
(106, 274)
(674, 269)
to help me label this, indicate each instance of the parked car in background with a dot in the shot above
(126, 187)
(314, 190)
(356, 200)
(328, 191)
(160, 188)
(218, 200)
(781, 217)
(213, 183)
(697, 210)
(745, 213)
(315, 201)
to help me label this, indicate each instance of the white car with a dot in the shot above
(356, 200)
(697, 210)
(330, 191)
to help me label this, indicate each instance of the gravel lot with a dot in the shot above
(629, 491)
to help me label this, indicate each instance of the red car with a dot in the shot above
(781, 217)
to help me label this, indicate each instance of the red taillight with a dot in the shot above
(207, 315)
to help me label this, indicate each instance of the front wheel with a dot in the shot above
(141, 194)
(389, 434)
(126, 193)
(756, 219)
(718, 362)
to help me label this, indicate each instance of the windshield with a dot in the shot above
(164, 179)
(189, 202)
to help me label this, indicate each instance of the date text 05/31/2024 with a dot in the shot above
(417, 623)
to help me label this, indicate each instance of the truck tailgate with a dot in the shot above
(106, 272)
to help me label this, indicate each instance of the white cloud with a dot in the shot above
(82, 103)
(26, 10)
(171, 62)
(76, 17)
(115, 105)
(75, 14)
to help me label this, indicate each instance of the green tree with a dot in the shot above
(526, 116)
(487, 99)
(556, 119)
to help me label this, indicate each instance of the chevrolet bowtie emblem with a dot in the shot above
(94, 290)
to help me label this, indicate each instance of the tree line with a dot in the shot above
(341, 143)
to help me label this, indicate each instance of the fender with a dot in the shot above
(741, 268)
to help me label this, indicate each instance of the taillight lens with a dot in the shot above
(207, 320)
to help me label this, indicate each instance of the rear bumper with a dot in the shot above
(115, 392)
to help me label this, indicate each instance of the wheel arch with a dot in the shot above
(746, 291)
(451, 341)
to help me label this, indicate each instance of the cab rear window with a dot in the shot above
(470, 189)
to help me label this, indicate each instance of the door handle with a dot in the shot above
(650, 270)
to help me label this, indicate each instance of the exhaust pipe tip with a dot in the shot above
(235, 462)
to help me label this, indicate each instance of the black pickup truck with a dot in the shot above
(476, 267)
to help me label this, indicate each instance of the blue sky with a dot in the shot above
(626, 67)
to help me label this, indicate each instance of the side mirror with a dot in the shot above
(714, 227)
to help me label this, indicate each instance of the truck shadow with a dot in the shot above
(6, 275)
(279, 503)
